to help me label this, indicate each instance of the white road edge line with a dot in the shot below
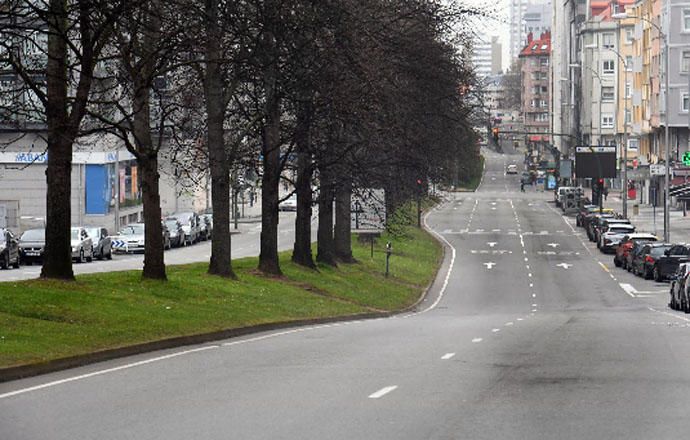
(673, 315)
(109, 370)
(475, 340)
(447, 356)
(382, 392)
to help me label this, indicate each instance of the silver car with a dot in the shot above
(131, 239)
(82, 245)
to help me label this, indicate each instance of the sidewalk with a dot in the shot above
(645, 220)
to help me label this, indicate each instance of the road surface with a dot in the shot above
(528, 333)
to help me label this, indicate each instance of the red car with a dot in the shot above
(626, 244)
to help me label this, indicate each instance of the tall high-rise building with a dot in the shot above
(486, 57)
(527, 16)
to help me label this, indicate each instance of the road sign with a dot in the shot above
(657, 170)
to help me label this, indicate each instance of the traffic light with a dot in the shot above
(597, 191)
(495, 133)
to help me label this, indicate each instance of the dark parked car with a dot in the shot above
(176, 233)
(9, 249)
(595, 222)
(190, 225)
(644, 260)
(678, 289)
(583, 212)
(31, 245)
(667, 264)
(625, 246)
(102, 244)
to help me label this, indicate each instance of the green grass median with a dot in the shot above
(46, 320)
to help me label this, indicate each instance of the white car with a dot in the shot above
(289, 204)
(512, 169)
(130, 239)
(615, 233)
(82, 245)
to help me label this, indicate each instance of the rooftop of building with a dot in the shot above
(535, 47)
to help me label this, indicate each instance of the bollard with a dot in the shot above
(389, 250)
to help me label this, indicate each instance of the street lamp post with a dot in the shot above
(667, 155)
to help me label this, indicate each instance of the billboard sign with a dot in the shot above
(595, 162)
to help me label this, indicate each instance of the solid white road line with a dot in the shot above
(475, 340)
(109, 370)
(495, 330)
(382, 392)
(447, 356)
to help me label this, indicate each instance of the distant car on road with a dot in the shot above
(131, 238)
(31, 246)
(644, 260)
(9, 249)
(613, 235)
(82, 245)
(102, 244)
(190, 225)
(626, 244)
(176, 233)
(512, 169)
(289, 204)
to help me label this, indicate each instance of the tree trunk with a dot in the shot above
(221, 246)
(343, 229)
(154, 264)
(268, 258)
(301, 253)
(57, 257)
(325, 247)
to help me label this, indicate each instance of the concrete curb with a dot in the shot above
(25, 371)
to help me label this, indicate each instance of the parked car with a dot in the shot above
(131, 238)
(289, 204)
(594, 223)
(176, 233)
(82, 245)
(626, 244)
(560, 193)
(190, 225)
(678, 291)
(610, 239)
(102, 244)
(167, 243)
(583, 212)
(667, 264)
(31, 246)
(9, 249)
(208, 220)
(644, 261)
(604, 225)
(204, 233)
(512, 169)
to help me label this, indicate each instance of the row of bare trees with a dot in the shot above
(347, 93)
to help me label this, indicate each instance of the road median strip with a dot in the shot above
(49, 325)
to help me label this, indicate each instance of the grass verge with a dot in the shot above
(46, 320)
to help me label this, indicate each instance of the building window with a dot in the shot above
(544, 62)
(607, 94)
(544, 89)
(686, 20)
(628, 90)
(628, 36)
(606, 121)
(608, 67)
(628, 116)
(543, 104)
(684, 103)
(541, 117)
(628, 63)
(608, 41)
(685, 61)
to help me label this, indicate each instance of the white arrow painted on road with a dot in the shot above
(553, 245)
(489, 265)
(492, 243)
(564, 265)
